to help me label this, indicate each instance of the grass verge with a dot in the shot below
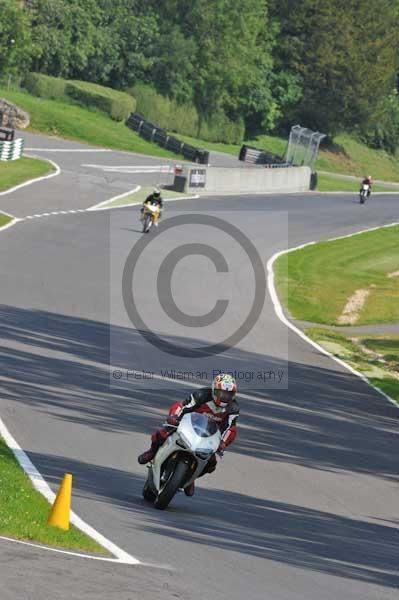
(334, 184)
(376, 357)
(14, 172)
(67, 120)
(316, 282)
(24, 511)
(351, 157)
(275, 145)
(4, 220)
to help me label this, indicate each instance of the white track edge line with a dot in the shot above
(30, 149)
(58, 550)
(37, 179)
(280, 313)
(138, 202)
(102, 205)
(98, 206)
(40, 484)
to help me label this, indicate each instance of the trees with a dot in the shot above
(16, 48)
(344, 52)
(328, 64)
(217, 54)
(65, 33)
(100, 41)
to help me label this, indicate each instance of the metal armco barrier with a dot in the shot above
(11, 150)
(160, 136)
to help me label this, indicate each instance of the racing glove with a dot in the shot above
(173, 420)
(221, 449)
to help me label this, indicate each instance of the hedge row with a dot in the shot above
(117, 104)
(184, 119)
(45, 86)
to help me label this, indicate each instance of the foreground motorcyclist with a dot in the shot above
(218, 402)
(156, 200)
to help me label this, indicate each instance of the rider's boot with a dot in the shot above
(157, 439)
(190, 490)
(146, 457)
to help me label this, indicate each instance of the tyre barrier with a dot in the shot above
(160, 136)
(255, 156)
(11, 150)
(6, 134)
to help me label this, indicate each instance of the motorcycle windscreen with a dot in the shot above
(202, 425)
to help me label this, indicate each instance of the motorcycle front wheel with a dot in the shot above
(146, 223)
(148, 494)
(175, 481)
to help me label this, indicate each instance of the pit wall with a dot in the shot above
(203, 180)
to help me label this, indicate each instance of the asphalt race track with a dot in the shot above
(304, 504)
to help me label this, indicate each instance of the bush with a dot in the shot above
(44, 86)
(383, 131)
(166, 113)
(117, 104)
(184, 119)
(219, 128)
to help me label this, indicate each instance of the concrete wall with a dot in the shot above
(204, 180)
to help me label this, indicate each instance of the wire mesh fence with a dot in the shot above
(303, 147)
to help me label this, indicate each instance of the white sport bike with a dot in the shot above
(181, 459)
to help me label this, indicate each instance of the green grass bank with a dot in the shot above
(317, 282)
(24, 511)
(88, 125)
(334, 184)
(15, 172)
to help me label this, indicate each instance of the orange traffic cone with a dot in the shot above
(59, 514)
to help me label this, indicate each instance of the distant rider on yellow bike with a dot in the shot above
(154, 199)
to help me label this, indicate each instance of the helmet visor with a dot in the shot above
(224, 396)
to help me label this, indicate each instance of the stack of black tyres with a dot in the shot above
(260, 157)
(152, 133)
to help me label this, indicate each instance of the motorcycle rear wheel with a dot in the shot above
(178, 476)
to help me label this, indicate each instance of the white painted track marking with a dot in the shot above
(102, 205)
(69, 150)
(98, 206)
(133, 170)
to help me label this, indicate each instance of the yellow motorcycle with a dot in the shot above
(150, 216)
